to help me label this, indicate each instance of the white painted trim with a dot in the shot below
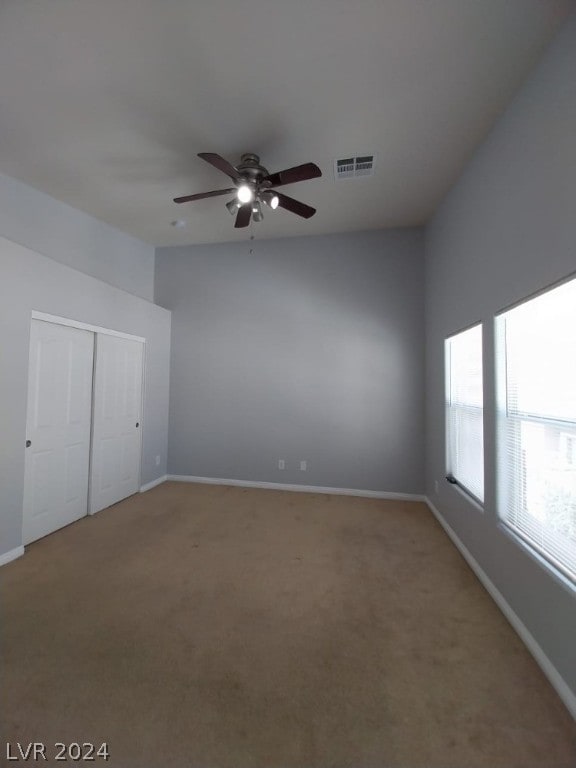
(13, 554)
(143, 396)
(83, 326)
(153, 484)
(297, 488)
(554, 677)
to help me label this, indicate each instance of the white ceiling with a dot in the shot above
(105, 103)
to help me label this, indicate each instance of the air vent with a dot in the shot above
(353, 167)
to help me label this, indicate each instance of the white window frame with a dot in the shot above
(509, 477)
(450, 476)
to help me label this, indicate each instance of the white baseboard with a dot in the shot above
(153, 484)
(554, 677)
(297, 488)
(7, 557)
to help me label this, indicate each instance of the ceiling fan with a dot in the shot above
(254, 186)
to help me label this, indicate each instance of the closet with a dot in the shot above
(83, 428)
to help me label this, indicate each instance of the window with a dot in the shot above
(536, 365)
(465, 411)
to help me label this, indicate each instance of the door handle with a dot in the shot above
(28, 443)
(137, 423)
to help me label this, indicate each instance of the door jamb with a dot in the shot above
(84, 326)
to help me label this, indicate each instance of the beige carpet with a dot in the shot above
(207, 627)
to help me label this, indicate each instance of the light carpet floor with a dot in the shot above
(220, 627)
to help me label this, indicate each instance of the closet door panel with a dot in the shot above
(57, 428)
(117, 420)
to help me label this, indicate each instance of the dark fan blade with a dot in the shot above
(243, 216)
(292, 175)
(202, 195)
(295, 206)
(220, 163)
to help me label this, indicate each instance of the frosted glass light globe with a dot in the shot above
(244, 193)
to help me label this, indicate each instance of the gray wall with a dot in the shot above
(29, 282)
(309, 348)
(507, 229)
(45, 225)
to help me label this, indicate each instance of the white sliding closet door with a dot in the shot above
(116, 440)
(58, 428)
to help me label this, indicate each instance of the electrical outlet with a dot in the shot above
(157, 461)
(436, 486)
(303, 466)
(281, 464)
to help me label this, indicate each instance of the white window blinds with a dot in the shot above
(465, 411)
(536, 461)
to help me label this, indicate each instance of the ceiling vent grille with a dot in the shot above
(353, 167)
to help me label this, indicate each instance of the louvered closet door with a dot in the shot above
(58, 428)
(117, 426)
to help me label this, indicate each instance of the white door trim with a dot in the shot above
(84, 326)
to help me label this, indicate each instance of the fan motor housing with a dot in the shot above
(250, 168)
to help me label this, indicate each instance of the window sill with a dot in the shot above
(543, 562)
(466, 495)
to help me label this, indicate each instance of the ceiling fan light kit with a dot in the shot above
(233, 206)
(245, 193)
(257, 214)
(270, 199)
(254, 186)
